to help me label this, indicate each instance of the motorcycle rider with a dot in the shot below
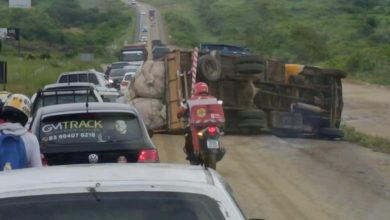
(16, 112)
(200, 91)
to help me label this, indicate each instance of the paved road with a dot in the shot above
(299, 178)
(277, 178)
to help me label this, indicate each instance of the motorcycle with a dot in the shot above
(206, 121)
(210, 150)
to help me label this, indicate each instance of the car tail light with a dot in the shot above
(45, 162)
(148, 156)
(124, 83)
(212, 131)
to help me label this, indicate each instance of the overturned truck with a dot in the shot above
(260, 94)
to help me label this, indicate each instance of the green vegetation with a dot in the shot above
(375, 143)
(27, 76)
(353, 35)
(60, 30)
(64, 25)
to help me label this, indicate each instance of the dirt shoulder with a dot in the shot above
(367, 108)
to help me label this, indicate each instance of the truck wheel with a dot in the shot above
(331, 133)
(251, 123)
(211, 160)
(251, 114)
(334, 72)
(249, 68)
(210, 68)
(249, 59)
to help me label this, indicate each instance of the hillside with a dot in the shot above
(68, 25)
(353, 35)
(60, 30)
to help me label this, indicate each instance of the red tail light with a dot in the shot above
(148, 156)
(212, 131)
(44, 161)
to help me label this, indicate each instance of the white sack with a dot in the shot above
(152, 111)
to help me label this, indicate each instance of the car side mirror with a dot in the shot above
(151, 133)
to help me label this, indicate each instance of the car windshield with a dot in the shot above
(132, 56)
(89, 128)
(112, 206)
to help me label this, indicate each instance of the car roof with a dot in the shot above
(81, 72)
(69, 175)
(92, 107)
(68, 85)
(130, 73)
(121, 62)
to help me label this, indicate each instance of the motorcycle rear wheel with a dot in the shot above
(211, 160)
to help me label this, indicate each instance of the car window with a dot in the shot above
(73, 78)
(93, 79)
(89, 128)
(119, 72)
(113, 206)
(63, 79)
(83, 77)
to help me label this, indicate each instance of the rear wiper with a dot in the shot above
(93, 191)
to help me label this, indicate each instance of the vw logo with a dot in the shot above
(93, 158)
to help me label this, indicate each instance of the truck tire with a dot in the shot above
(251, 114)
(209, 68)
(330, 133)
(334, 72)
(249, 68)
(249, 59)
(251, 123)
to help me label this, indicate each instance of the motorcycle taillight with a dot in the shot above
(212, 131)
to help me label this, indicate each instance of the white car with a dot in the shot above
(116, 191)
(91, 76)
(126, 82)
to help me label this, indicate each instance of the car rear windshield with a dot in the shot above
(112, 206)
(89, 128)
(121, 72)
(80, 77)
(63, 97)
(133, 55)
(119, 65)
(129, 77)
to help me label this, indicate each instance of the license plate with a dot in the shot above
(212, 144)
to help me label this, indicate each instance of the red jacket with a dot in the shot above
(183, 109)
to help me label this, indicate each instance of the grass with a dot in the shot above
(28, 76)
(372, 142)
